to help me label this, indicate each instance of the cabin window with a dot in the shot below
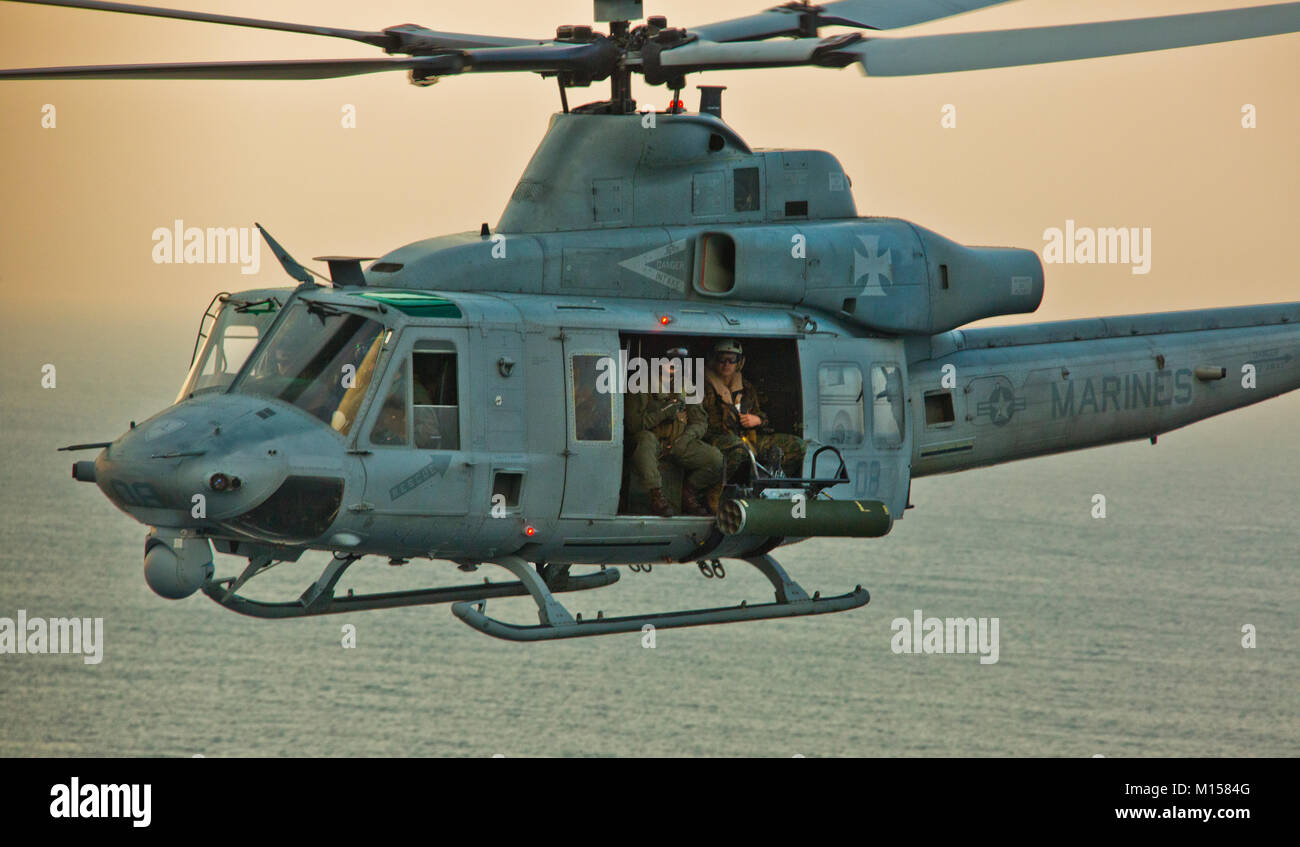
(886, 405)
(592, 398)
(435, 400)
(840, 409)
(938, 408)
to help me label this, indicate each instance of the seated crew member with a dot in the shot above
(665, 426)
(737, 420)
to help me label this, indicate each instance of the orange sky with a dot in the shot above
(1153, 140)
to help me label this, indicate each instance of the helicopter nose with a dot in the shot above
(200, 461)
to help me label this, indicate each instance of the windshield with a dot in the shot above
(227, 336)
(319, 359)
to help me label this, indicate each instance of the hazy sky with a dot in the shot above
(1153, 140)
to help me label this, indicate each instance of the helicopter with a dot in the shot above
(446, 401)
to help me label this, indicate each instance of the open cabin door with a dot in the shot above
(854, 399)
(594, 423)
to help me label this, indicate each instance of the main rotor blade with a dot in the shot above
(800, 19)
(709, 56)
(378, 39)
(274, 69)
(594, 60)
(966, 51)
(407, 38)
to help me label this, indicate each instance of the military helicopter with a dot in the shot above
(445, 401)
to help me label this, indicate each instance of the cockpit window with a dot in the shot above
(320, 359)
(227, 337)
(392, 428)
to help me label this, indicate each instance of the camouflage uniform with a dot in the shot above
(658, 427)
(725, 433)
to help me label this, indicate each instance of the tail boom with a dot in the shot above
(1031, 390)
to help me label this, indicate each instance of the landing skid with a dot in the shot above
(319, 599)
(556, 622)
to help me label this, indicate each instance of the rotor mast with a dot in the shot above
(619, 14)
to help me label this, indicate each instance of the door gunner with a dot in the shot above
(737, 423)
(665, 426)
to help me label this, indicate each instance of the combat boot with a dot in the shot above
(691, 502)
(658, 504)
(714, 496)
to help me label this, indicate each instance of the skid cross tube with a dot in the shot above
(556, 622)
(319, 598)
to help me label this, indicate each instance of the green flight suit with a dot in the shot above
(725, 433)
(665, 426)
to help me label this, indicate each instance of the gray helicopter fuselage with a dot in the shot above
(622, 232)
(1011, 393)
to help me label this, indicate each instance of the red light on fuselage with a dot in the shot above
(530, 531)
(664, 320)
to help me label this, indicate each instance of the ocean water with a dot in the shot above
(1119, 636)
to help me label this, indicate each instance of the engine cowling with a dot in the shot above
(884, 274)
